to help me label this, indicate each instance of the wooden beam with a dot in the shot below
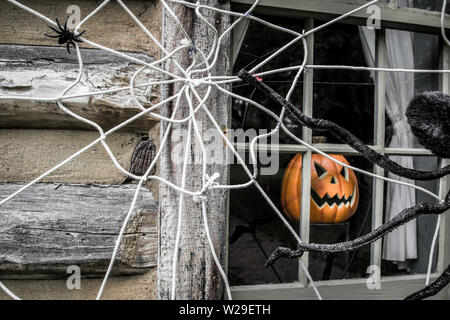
(403, 18)
(392, 288)
(308, 104)
(44, 72)
(51, 226)
(198, 276)
(26, 154)
(330, 147)
(111, 26)
(379, 134)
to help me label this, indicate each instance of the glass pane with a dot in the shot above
(255, 230)
(407, 249)
(260, 42)
(408, 50)
(430, 5)
(426, 56)
(342, 265)
(345, 97)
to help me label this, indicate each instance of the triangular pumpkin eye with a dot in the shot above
(344, 173)
(321, 172)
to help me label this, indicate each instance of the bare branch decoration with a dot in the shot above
(438, 102)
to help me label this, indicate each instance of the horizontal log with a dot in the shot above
(26, 154)
(45, 72)
(111, 26)
(49, 227)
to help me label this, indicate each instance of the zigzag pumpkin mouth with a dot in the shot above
(333, 201)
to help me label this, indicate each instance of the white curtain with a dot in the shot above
(401, 244)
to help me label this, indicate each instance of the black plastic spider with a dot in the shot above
(65, 35)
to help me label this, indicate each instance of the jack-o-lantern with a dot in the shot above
(334, 190)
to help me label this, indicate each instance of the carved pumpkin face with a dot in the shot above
(334, 190)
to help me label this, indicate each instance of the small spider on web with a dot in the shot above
(65, 35)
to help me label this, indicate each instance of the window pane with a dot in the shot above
(344, 265)
(345, 97)
(255, 231)
(426, 56)
(406, 250)
(430, 5)
(409, 50)
(259, 43)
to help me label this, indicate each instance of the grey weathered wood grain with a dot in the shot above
(44, 72)
(403, 18)
(111, 26)
(392, 288)
(198, 277)
(50, 226)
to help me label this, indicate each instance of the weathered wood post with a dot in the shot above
(198, 277)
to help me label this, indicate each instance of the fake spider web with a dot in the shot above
(196, 103)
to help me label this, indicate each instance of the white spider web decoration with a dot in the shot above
(202, 63)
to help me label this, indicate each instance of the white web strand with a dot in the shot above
(444, 36)
(8, 292)
(209, 60)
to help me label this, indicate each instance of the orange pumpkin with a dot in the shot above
(334, 190)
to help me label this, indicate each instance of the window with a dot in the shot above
(357, 101)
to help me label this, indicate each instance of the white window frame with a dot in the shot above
(393, 287)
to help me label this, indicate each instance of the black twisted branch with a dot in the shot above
(343, 134)
(433, 288)
(403, 217)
